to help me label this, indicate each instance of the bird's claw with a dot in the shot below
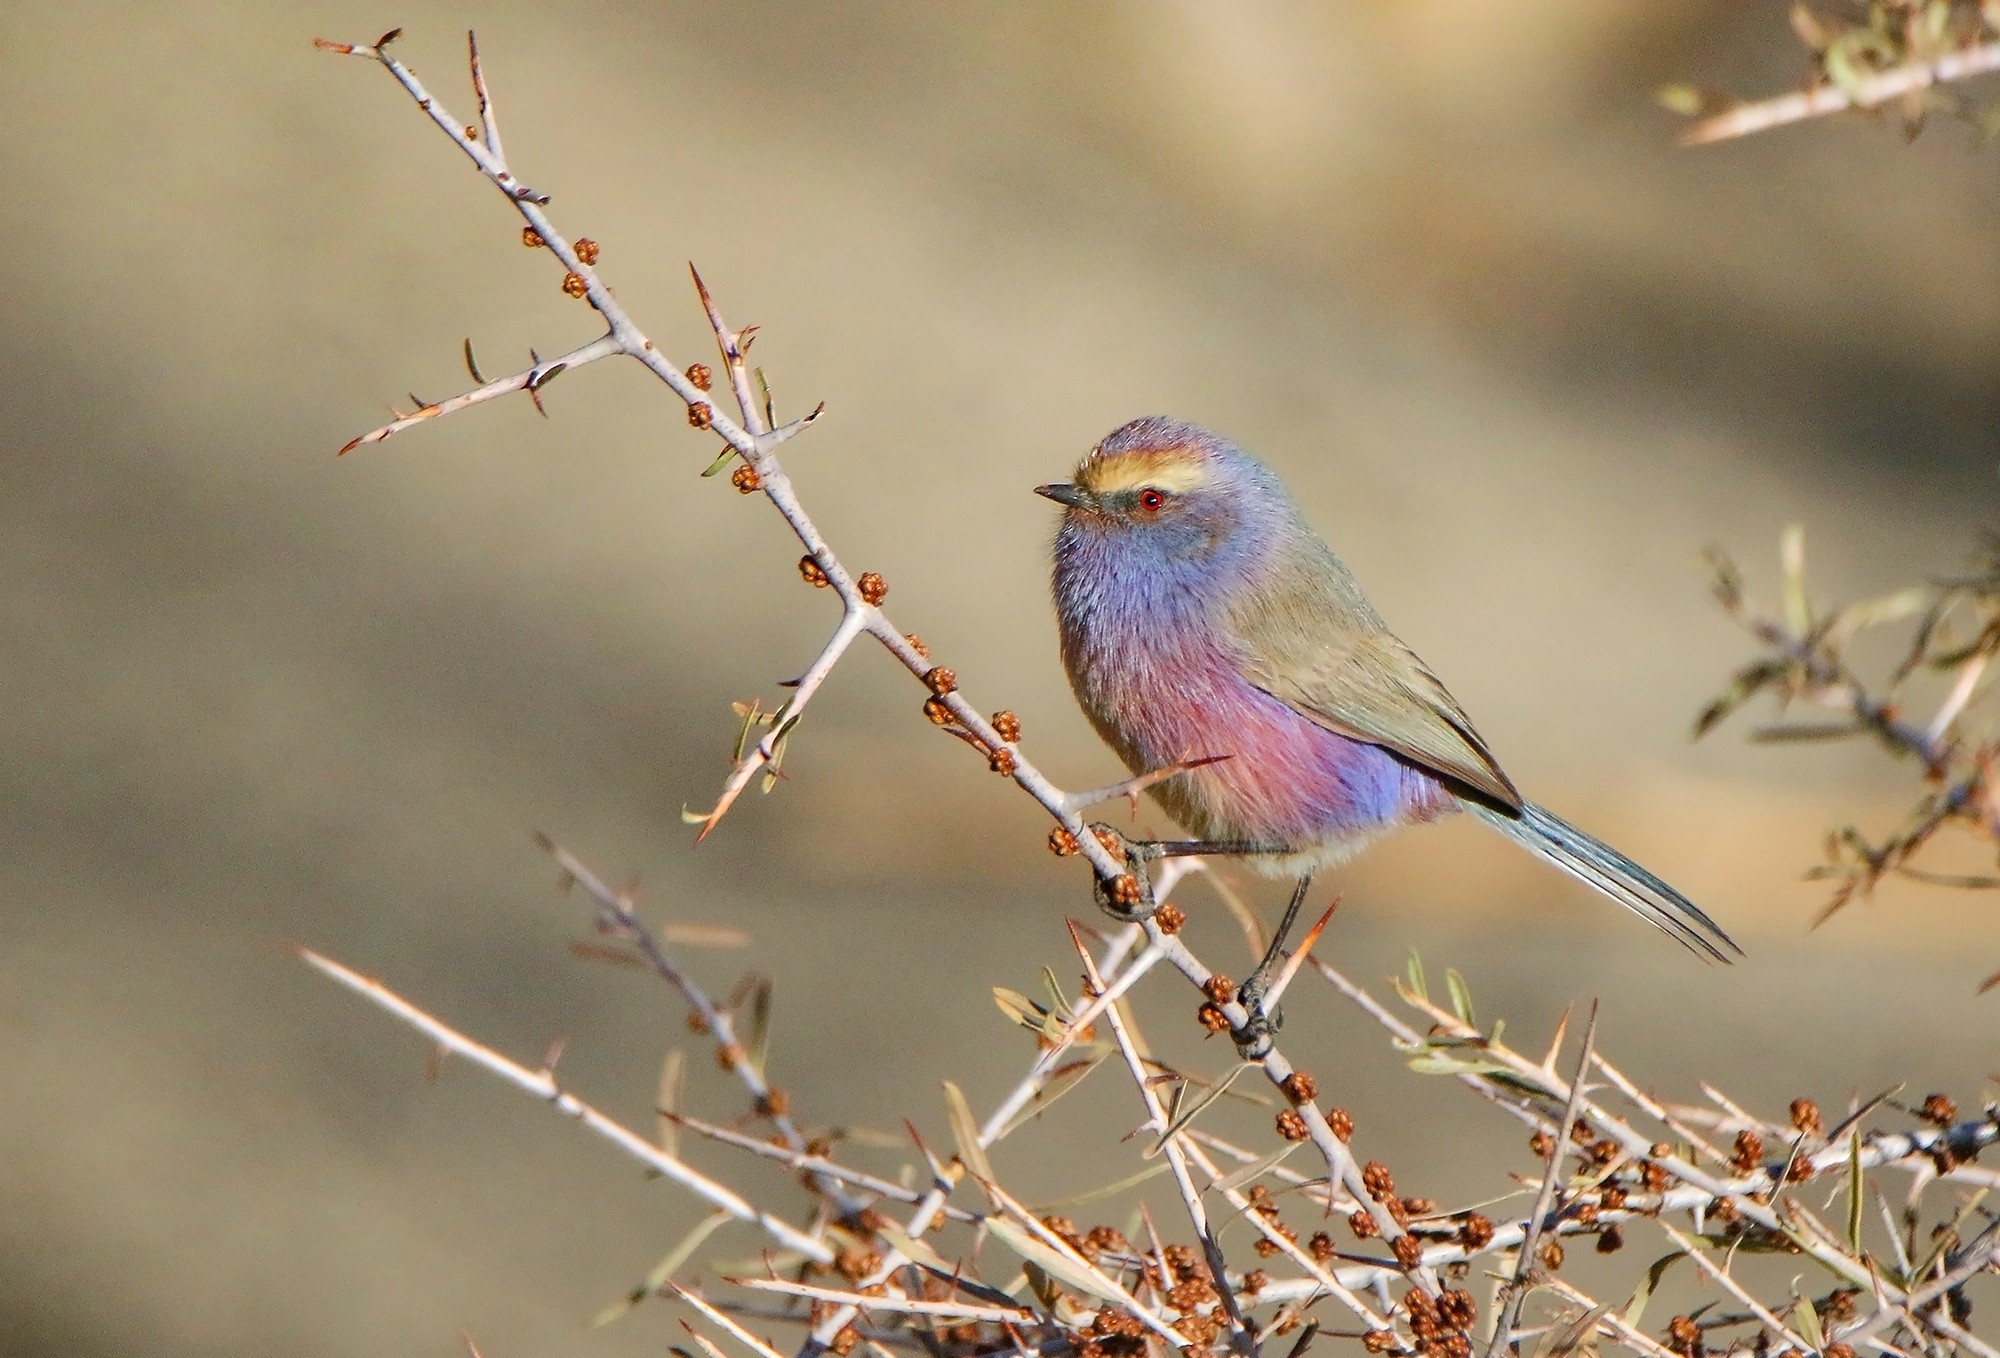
(1129, 897)
(1256, 1036)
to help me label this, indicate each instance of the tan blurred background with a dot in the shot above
(1439, 263)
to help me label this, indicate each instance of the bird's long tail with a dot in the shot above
(1599, 865)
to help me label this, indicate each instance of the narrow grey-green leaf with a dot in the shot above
(1071, 1273)
(1194, 1110)
(1635, 1309)
(1064, 1079)
(965, 1132)
(1255, 1170)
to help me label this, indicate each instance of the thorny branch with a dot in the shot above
(1095, 1293)
(1954, 634)
(1894, 55)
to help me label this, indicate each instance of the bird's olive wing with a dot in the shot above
(1352, 676)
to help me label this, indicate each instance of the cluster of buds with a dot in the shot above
(1440, 1327)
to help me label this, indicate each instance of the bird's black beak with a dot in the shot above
(1063, 493)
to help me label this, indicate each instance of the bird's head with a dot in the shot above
(1157, 489)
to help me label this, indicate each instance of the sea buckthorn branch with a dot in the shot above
(1242, 1339)
(617, 918)
(1954, 638)
(1435, 1318)
(1900, 53)
(542, 1085)
(1748, 1190)
(860, 598)
(1185, 1155)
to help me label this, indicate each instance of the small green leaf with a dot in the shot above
(665, 1269)
(1854, 1193)
(1461, 996)
(1414, 974)
(1806, 1317)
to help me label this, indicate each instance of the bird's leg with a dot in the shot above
(1210, 848)
(1253, 1039)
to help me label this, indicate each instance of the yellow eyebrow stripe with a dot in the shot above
(1175, 474)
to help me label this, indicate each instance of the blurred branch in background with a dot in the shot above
(848, 1274)
(1953, 634)
(1882, 56)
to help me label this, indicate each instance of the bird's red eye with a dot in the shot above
(1152, 501)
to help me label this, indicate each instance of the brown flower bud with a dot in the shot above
(1007, 726)
(1061, 842)
(530, 237)
(1300, 1087)
(1806, 1118)
(941, 680)
(1749, 1152)
(699, 376)
(1541, 1143)
(1002, 763)
(1219, 988)
(1291, 1126)
(586, 250)
(1376, 1179)
(1379, 1341)
(1476, 1232)
(1342, 1123)
(1255, 1281)
(1170, 918)
(1407, 1251)
(1939, 1111)
(1363, 1225)
(1321, 1246)
(940, 715)
(774, 1103)
(1551, 1255)
(874, 589)
(745, 479)
(917, 645)
(1457, 1309)
(1212, 1018)
(1612, 1198)
(1124, 889)
(700, 415)
(575, 285)
(810, 570)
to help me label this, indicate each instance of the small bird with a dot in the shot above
(1202, 617)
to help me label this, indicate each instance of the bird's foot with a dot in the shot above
(1257, 1034)
(1128, 897)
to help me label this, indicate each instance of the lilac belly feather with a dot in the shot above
(1162, 685)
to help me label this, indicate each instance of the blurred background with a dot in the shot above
(1440, 264)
